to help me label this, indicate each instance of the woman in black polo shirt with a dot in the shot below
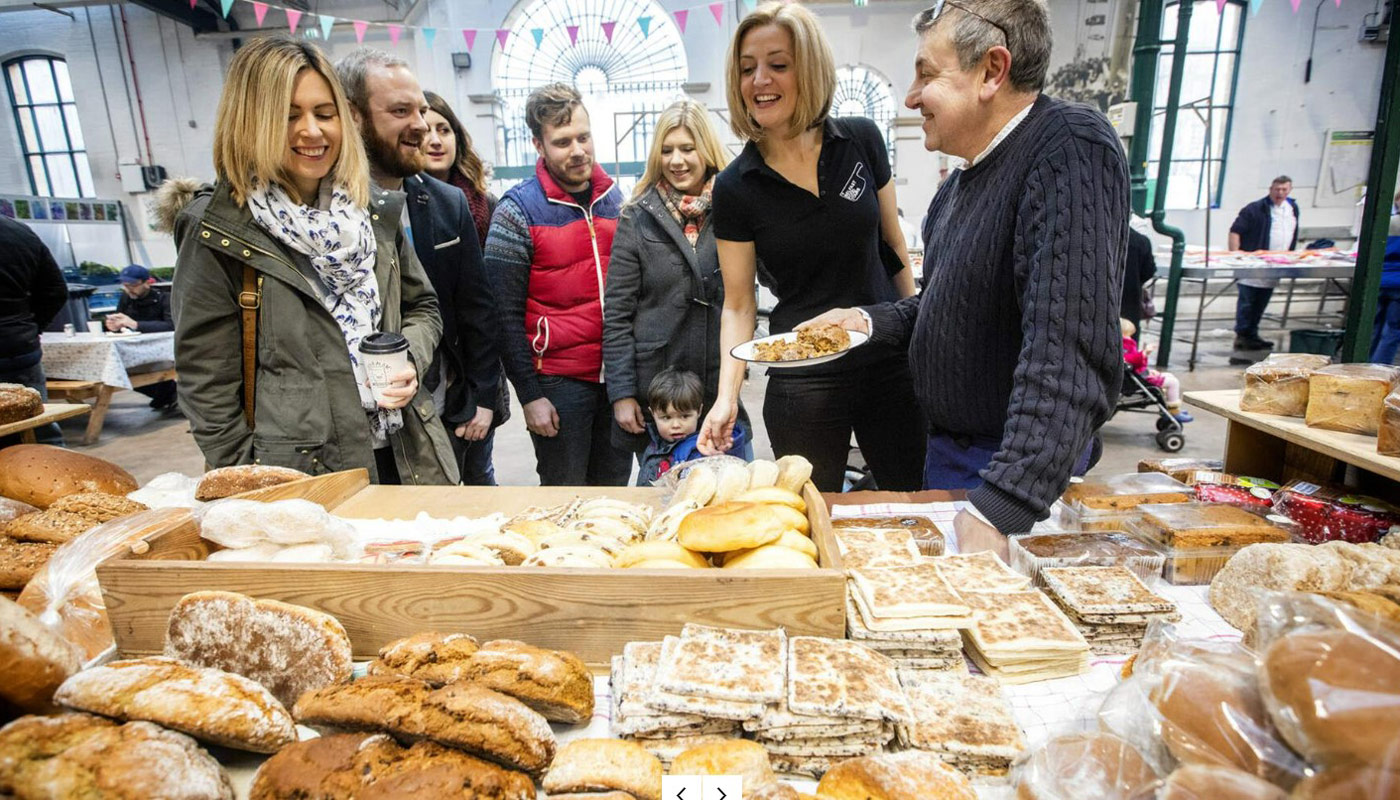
(811, 196)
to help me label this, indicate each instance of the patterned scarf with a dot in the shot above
(688, 210)
(477, 203)
(340, 243)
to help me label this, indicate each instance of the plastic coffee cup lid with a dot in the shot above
(383, 343)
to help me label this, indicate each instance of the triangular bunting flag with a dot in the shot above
(718, 10)
(608, 30)
(227, 6)
(681, 17)
(259, 12)
(293, 19)
(394, 31)
(538, 34)
(1220, 6)
(193, 3)
(573, 33)
(429, 34)
(645, 24)
(1338, 2)
(1295, 5)
(327, 22)
(360, 27)
(502, 34)
(469, 36)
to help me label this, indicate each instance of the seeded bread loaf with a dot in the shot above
(228, 481)
(39, 474)
(19, 403)
(97, 506)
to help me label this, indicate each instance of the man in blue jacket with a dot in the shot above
(1269, 223)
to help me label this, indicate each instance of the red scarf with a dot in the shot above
(688, 210)
(476, 201)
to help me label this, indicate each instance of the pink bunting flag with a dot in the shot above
(469, 36)
(293, 19)
(193, 3)
(502, 34)
(360, 28)
(681, 18)
(573, 33)
(394, 31)
(608, 30)
(718, 10)
(1295, 5)
(259, 12)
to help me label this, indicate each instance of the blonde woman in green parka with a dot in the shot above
(331, 264)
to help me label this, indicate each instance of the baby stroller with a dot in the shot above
(1140, 397)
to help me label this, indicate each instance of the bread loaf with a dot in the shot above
(21, 561)
(1349, 782)
(729, 526)
(1098, 765)
(98, 506)
(911, 775)
(488, 724)
(228, 481)
(288, 649)
(437, 658)
(1350, 397)
(210, 705)
(1235, 590)
(33, 660)
(390, 703)
(1279, 384)
(39, 474)
(19, 403)
(52, 526)
(75, 756)
(555, 683)
(589, 765)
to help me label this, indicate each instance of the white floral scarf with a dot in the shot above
(340, 243)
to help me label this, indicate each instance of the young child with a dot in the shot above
(1167, 382)
(675, 399)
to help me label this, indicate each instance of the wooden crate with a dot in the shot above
(592, 612)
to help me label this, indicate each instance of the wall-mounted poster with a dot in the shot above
(70, 208)
(39, 209)
(99, 212)
(56, 209)
(22, 210)
(85, 211)
(7, 208)
(112, 214)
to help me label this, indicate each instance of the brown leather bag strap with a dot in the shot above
(249, 300)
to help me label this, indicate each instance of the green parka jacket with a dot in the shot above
(307, 409)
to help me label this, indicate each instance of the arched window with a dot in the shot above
(47, 117)
(624, 81)
(863, 92)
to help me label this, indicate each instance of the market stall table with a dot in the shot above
(96, 365)
(53, 412)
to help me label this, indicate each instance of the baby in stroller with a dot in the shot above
(1136, 360)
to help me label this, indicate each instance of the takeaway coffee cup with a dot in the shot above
(94, 327)
(384, 354)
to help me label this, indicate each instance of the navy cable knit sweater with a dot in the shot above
(1015, 335)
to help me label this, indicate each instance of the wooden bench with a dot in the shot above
(100, 395)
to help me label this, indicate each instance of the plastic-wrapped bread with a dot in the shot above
(1388, 438)
(1279, 384)
(1349, 397)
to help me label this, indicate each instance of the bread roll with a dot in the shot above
(556, 683)
(733, 480)
(1335, 695)
(586, 765)
(437, 658)
(771, 557)
(664, 526)
(729, 526)
(659, 550)
(793, 473)
(792, 540)
(288, 649)
(39, 474)
(1098, 765)
(208, 704)
(698, 486)
(229, 481)
(734, 757)
(775, 496)
(1348, 782)
(911, 775)
(1199, 782)
(762, 474)
(33, 660)
(794, 519)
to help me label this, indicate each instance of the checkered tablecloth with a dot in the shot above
(105, 357)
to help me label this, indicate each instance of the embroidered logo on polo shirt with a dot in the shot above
(855, 185)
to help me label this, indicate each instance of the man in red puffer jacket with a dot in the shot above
(547, 253)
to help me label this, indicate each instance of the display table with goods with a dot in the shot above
(255, 632)
(94, 366)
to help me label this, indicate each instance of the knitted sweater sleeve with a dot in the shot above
(508, 254)
(1069, 248)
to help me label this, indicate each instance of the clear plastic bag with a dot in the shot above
(704, 481)
(168, 490)
(1329, 675)
(1350, 397)
(1117, 494)
(1388, 437)
(1180, 468)
(1200, 782)
(1079, 765)
(65, 594)
(1279, 384)
(1349, 782)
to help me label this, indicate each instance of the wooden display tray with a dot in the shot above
(591, 612)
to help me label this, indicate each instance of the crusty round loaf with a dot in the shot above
(1201, 782)
(584, 765)
(389, 703)
(1098, 765)
(39, 474)
(485, 723)
(732, 757)
(729, 526)
(911, 775)
(556, 683)
(98, 506)
(429, 770)
(229, 481)
(288, 649)
(1335, 696)
(19, 402)
(211, 705)
(326, 766)
(33, 659)
(1348, 782)
(79, 756)
(1214, 715)
(437, 658)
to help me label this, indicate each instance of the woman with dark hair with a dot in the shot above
(451, 159)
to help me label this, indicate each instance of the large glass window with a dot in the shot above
(1207, 102)
(47, 118)
(863, 92)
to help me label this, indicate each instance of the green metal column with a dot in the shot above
(1375, 219)
(1147, 46)
(1164, 162)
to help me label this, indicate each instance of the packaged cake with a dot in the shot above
(1117, 494)
(1324, 513)
(1180, 468)
(1350, 397)
(1279, 384)
(1033, 552)
(1199, 538)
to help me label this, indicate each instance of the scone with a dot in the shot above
(210, 705)
(732, 757)
(98, 506)
(485, 723)
(555, 683)
(438, 658)
(288, 649)
(47, 526)
(586, 765)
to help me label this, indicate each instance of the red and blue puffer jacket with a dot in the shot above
(568, 272)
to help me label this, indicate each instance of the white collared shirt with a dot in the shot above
(1282, 224)
(959, 163)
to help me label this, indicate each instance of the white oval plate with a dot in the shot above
(745, 351)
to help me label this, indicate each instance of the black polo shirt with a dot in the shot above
(818, 253)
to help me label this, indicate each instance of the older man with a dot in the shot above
(1014, 343)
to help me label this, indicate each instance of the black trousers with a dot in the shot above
(814, 416)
